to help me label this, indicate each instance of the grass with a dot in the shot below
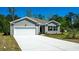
(8, 43)
(63, 37)
(58, 36)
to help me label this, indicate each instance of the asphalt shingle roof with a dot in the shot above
(39, 21)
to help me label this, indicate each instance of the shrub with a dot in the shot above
(6, 27)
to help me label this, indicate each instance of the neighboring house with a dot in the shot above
(34, 26)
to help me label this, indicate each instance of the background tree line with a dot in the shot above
(5, 20)
(69, 22)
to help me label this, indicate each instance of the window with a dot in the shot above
(55, 28)
(49, 28)
(52, 28)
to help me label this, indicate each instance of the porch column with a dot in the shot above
(58, 29)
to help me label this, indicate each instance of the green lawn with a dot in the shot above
(58, 36)
(8, 43)
(63, 37)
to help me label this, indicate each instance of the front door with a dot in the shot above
(42, 29)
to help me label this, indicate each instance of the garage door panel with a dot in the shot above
(24, 31)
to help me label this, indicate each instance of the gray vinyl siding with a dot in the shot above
(11, 29)
(37, 30)
(22, 24)
(27, 23)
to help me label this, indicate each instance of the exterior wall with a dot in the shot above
(52, 32)
(51, 24)
(26, 23)
(11, 29)
(37, 29)
(23, 23)
(46, 29)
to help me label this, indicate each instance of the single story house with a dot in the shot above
(34, 26)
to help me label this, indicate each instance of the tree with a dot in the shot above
(12, 11)
(6, 27)
(9, 18)
(66, 22)
(69, 20)
(72, 17)
(56, 18)
(5, 21)
(72, 24)
(2, 17)
(59, 19)
(76, 24)
(16, 17)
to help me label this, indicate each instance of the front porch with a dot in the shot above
(42, 29)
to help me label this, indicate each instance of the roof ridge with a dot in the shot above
(37, 20)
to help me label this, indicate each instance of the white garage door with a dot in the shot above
(24, 31)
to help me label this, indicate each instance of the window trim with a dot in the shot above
(50, 28)
(55, 28)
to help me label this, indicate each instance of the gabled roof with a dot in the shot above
(36, 20)
(53, 21)
(39, 21)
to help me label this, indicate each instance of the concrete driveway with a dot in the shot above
(42, 43)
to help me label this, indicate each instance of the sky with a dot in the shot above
(45, 11)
